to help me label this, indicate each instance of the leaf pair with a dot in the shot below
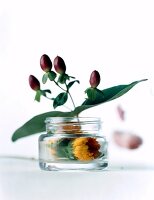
(61, 99)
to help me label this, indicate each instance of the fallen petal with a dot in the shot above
(127, 140)
(121, 113)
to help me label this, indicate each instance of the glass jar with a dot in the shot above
(72, 143)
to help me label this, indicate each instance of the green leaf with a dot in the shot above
(72, 77)
(110, 94)
(43, 92)
(52, 75)
(44, 78)
(71, 83)
(91, 93)
(67, 77)
(47, 91)
(70, 152)
(38, 95)
(64, 148)
(63, 78)
(60, 99)
(61, 147)
(37, 125)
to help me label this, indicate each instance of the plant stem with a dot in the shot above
(63, 105)
(73, 104)
(60, 86)
(67, 92)
(71, 99)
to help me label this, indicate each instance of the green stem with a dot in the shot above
(60, 86)
(67, 92)
(63, 105)
(73, 104)
(71, 99)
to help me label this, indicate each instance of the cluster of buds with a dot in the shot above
(46, 64)
(62, 78)
(59, 66)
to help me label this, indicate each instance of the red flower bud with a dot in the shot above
(34, 83)
(45, 63)
(59, 65)
(94, 79)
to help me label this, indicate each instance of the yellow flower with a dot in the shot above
(85, 149)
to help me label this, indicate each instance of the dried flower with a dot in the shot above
(59, 65)
(121, 113)
(85, 149)
(94, 79)
(70, 128)
(34, 83)
(127, 140)
(51, 145)
(45, 63)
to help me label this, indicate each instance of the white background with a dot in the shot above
(114, 37)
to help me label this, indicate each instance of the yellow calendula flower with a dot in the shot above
(85, 149)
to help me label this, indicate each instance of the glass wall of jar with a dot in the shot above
(73, 143)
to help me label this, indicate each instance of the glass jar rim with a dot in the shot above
(73, 119)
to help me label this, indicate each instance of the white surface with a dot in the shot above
(22, 179)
